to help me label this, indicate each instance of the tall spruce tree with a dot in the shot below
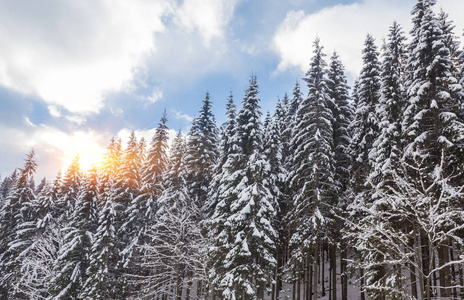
(342, 112)
(142, 208)
(104, 276)
(274, 150)
(175, 255)
(382, 279)
(227, 145)
(249, 208)
(364, 130)
(365, 126)
(73, 258)
(433, 129)
(387, 148)
(220, 199)
(202, 153)
(313, 169)
(15, 216)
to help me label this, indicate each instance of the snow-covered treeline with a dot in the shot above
(335, 192)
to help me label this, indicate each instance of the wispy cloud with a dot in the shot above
(182, 116)
(208, 17)
(54, 111)
(156, 95)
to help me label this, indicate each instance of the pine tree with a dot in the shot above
(387, 148)
(142, 208)
(174, 257)
(156, 161)
(313, 169)
(7, 185)
(227, 146)
(104, 277)
(342, 112)
(70, 187)
(274, 144)
(73, 258)
(433, 129)
(202, 153)
(365, 126)
(15, 218)
(228, 131)
(249, 208)
(220, 196)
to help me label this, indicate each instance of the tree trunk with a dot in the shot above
(179, 288)
(363, 296)
(311, 274)
(294, 289)
(316, 271)
(280, 263)
(412, 273)
(453, 269)
(344, 279)
(425, 264)
(445, 273)
(322, 266)
(333, 269)
(461, 281)
(305, 279)
(199, 289)
(187, 292)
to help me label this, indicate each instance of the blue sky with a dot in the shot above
(75, 73)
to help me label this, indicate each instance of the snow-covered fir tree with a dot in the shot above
(142, 208)
(73, 257)
(248, 238)
(433, 150)
(274, 150)
(313, 171)
(202, 153)
(384, 280)
(175, 257)
(342, 112)
(15, 230)
(365, 125)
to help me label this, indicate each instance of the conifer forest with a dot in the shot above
(342, 193)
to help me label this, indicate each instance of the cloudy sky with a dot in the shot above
(75, 73)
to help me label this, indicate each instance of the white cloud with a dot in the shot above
(181, 116)
(343, 28)
(71, 53)
(54, 111)
(79, 120)
(29, 122)
(156, 95)
(208, 17)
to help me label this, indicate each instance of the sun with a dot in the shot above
(86, 147)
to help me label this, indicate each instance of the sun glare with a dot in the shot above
(86, 147)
